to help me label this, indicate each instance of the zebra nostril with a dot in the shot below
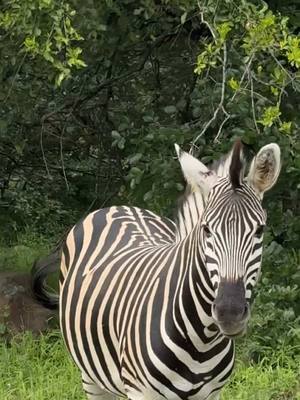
(230, 313)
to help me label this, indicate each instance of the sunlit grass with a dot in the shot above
(40, 369)
(264, 381)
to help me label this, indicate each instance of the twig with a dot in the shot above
(15, 77)
(258, 95)
(220, 106)
(203, 21)
(227, 116)
(106, 83)
(62, 158)
(268, 83)
(282, 67)
(246, 72)
(42, 149)
(252, 102)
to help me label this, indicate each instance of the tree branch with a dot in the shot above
(220, 106)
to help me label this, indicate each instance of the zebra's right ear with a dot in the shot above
(197, 175)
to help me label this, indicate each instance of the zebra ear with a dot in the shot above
(197, 175)
(236, 168)
(264, 169)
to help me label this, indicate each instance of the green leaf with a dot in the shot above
(274, 90)
(183, 18)
(135, 158)
(234, 84)
(115, 135)
(31, 44)
(170, 109)
(179, 187)
(293, 51)
(121, 143)
(3, 126)
(223, 29)
(148, 196)
(286, 127)
(269, 116)
(135, 171)
(268, 20)
(62, 76)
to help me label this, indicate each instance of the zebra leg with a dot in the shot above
(93, 391)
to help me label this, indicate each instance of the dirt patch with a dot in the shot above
(18, 309)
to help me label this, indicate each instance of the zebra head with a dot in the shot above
(231, 227)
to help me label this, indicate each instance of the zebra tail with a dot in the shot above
(39, 273)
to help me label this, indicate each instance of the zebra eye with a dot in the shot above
(207, 230)
(259, 231)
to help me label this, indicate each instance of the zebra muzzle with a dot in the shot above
(230, 310)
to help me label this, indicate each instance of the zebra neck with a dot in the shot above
(195, 294)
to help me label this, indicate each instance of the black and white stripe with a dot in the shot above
(135, 308)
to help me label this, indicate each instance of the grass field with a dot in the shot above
(40, 369)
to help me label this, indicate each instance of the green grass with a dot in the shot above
(40, 369)
(20, 257)
(264, 381)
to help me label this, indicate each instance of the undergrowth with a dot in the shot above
(20, 255)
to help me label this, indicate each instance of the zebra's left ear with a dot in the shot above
(195, 172)
(264, 169)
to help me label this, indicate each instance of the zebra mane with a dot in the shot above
(191, 204)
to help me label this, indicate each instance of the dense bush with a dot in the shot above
(275, 325)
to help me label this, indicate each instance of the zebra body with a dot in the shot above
(127, 315)
(149, 308)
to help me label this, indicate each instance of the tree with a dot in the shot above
(95, 96)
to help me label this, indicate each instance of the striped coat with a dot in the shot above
(127, 313)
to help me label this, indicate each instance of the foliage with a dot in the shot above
(117, 119)
(261, 51)
(45, 29)
(276, 320)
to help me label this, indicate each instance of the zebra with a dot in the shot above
(149, 308)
